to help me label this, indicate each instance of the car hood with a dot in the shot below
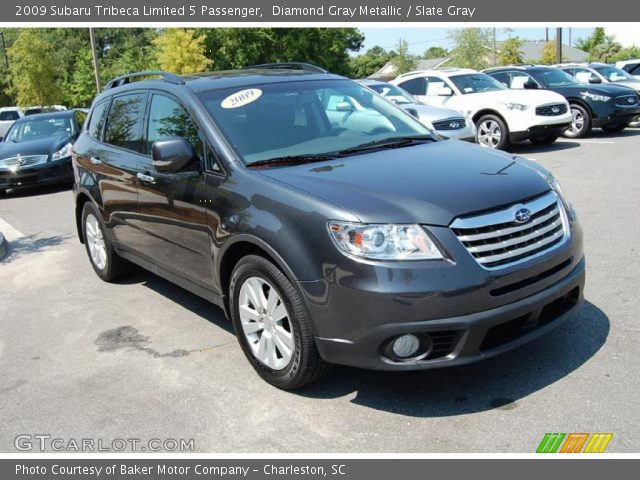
(432, 114)
(635, 84)
(609, 89)
(429, 183)
(527, 97)
(40, 146)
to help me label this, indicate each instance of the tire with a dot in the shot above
(281, 350)
(492, 132)
(107, 264)
(580, 124)
(615, 128)
(548, 140)
(635, 123)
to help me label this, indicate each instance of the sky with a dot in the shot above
(421, 39)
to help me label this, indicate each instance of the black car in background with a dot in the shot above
(37, 150)
(607, 106)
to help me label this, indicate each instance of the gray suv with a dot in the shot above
(372, 244)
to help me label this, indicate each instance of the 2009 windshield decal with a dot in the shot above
(241, 98)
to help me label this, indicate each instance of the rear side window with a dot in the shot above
(9, 115)
(502, 77)
(415, 86)
(124, 121)
(96, 122)
(169, 119)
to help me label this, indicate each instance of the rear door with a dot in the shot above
(115, 158)
(172, 205)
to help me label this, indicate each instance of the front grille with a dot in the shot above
(14, 163)
(552, 110)
(627, 100)
(497, 240)
(450, 124)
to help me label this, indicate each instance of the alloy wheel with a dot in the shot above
(489, 134)
(265, 323)
(95, 241)
(577, 121)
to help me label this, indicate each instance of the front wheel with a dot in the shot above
(614, 128)
(492, 132)
(272, 325)
(580, 122)
(547, 140)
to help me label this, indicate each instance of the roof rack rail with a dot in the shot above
(305, 67)
(124, 79)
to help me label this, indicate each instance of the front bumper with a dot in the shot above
(42, 174)
(621, 115)
(539, 131)
(466, 313)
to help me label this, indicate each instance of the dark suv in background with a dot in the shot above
(368, 243)
(607, 106)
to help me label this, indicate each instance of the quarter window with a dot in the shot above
(124, 121)
(96, 122)
(415, 86)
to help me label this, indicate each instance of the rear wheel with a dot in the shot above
(580, 122)
(107, 264)
(272, 325)
(546, 140)
(614, 128)
(635, 123)
(492, 132)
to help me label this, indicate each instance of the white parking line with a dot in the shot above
(603, 142)
(9, 231)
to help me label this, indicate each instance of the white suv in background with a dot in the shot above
(501, 115)
(632, 67)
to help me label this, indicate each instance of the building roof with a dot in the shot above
(388, 71)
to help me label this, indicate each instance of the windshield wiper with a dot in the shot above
(291, 160)
(391, 142)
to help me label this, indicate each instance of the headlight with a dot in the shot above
(595, 97)
(520, 107)
(384, 242)
(62, 153)
(555, 185)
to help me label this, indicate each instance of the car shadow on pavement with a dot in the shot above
(526, 148)
(31, 244)
(496, 383)
(195, 304)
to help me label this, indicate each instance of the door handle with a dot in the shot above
(143, 177)
(95, 160)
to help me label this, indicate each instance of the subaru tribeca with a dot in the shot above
(371, 244)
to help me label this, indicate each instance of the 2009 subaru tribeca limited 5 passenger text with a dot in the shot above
(372, 244)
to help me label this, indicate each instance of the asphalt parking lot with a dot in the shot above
(145, 359)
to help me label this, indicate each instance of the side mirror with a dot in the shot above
(443, 92)
(594, 79)
(172, 155)
(530, 85)
(344, 107)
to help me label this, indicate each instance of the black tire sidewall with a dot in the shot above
(254, 266)
(504, 137)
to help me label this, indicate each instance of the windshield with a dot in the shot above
(393, 93)
(557, 78)
(36, 128)
(613, 74)
(476, 82)
(305, 118)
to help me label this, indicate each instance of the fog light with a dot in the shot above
(405, 345)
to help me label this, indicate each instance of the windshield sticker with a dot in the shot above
(241, 98)
(468, 89)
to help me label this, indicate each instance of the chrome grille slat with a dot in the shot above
(496, 240)
(508, 231)
(515, 241)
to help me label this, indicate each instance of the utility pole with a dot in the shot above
(94, 54)
(546, 34)
(558, 45)
(570, 37)
(494, 47)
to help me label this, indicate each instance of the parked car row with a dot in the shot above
(535, 103)
(8, 115)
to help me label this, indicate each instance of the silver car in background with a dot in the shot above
(445, 121)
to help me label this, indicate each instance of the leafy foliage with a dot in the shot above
(371, 61)
(403, 60)
(181, 51)
(472, 47)
(510, 53)
(435, 52)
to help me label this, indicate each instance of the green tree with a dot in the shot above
(510, 53)
(627, 53)
(81, 87)
(181, 51)
(371, 61)
(435, 52)
(34, 69)
(549, 55)
(588, 44)
(605, 51)
(403, 60)
(471, 47)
